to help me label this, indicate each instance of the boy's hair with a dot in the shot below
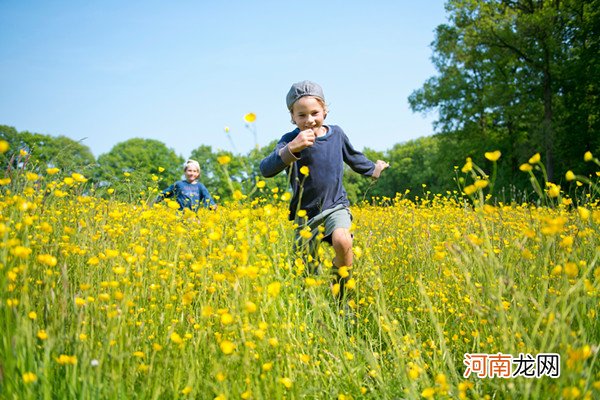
(191, 162)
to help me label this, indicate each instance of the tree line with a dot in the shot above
(518, 76)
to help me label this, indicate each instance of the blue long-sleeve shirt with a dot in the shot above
(322, 189)
(188, 195)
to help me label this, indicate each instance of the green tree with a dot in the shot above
(508, 70)
(49, 151)
(135, 165)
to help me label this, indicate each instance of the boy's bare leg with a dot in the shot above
(341, 239)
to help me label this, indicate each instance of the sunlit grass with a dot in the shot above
(103, 299)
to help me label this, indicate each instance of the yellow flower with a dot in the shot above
(493, 155)
(468, 166)
(304, 170)
(64, 359)
(584, 213)
(525, 167)
(571, 270)
(250, 307)
(335, 289)
(301, 213)
(260, 184)
(29, 377)
(287, 382)
(4, 146)
(569, 176)
(226, 318)
(267, 366)
(78, 177)
(469, 190)
(553, 190)
(250, 117)
(305, 358)
(238, 195)
(227, 347)
(186, 390)
(52, 171)
(428, 393)
(32, 315)
(32, 176)
(351, 284)
(21, 252)
(535, 158)
(47, 259)
(273, 289)
(224, 160)
(343, 272)
(42, 335)
(588, 156)
(571, 392)
(139, 354)
(226, 129)
(481, 183)
(175, 338)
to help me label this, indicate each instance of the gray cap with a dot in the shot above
(301, 89)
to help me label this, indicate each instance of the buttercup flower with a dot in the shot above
(250, 117)
(493, 155)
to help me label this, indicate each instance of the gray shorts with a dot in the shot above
(332, 219)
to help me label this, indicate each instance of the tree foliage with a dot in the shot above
(47, 151)
(136, 166)
(520, 76)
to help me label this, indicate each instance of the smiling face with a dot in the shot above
(191, 173)
(308, 113)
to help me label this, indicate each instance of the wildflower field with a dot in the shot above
(104, 299)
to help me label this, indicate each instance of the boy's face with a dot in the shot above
(308, 113)
(191, 173)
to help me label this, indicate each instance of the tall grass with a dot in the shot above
(104, 299)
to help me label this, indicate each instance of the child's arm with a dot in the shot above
(206, 198)
(287, 151)
(168, 192)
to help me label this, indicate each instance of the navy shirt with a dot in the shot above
(189, 195)
(322, 189)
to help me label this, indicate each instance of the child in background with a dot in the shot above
(313, 156)
(189, 193)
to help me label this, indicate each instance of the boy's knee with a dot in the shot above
(341, 239)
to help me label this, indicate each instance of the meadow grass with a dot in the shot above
(110, 300)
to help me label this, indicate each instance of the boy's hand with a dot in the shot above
(304, 139)
(379, 166)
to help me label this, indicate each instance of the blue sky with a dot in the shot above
(181, 71)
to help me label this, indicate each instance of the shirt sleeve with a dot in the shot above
(355, 159)
(279, 159)
(205, 196)
(165, 194)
